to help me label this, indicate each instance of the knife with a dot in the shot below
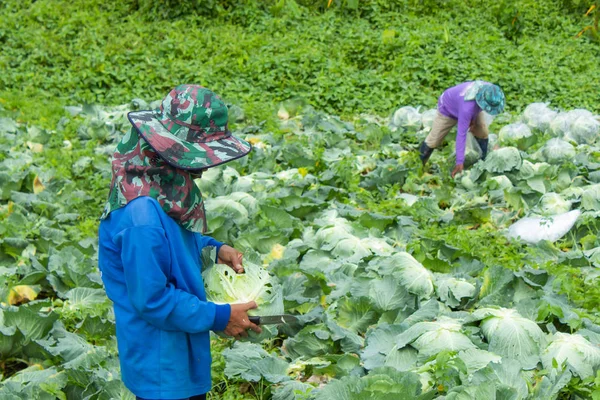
(274, 319)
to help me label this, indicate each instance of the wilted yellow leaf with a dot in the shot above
(38, 186)
(592, 8)
(323, 301)
(36, 367)
(277, 252)
(35, 147)
(303, 171)
(22, 294)
(253, 141)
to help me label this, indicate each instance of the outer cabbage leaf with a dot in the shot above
(250, 362)
(412, 274)
(292, 390)
(452, 290)
(476, 359)
(380, 341)
(590, 198)
(311, 341)
(503, 160)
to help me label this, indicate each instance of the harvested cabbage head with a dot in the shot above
(223, 286)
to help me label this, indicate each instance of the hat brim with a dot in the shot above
(485, 106)
(489, 109)
(182, 154)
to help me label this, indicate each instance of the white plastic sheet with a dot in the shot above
(533, 230)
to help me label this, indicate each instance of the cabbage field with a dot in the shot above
(407, 284)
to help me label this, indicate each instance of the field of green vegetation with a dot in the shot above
(406, 281)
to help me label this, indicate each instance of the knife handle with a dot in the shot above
(255, 320)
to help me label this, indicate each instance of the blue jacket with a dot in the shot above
(151, 269)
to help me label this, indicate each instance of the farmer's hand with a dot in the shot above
(458, 169)
(239, 321)
(231, 257)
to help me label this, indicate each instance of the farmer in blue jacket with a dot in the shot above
(151, 240)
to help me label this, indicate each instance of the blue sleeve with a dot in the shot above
(207, 241)
(146, 261)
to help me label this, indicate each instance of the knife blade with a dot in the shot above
(274, 319)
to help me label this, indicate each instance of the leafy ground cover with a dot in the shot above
(342, 61)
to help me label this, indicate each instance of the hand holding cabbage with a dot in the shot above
(255, 292)
(238, 319)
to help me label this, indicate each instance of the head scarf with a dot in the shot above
(471, 91)
(137, 170)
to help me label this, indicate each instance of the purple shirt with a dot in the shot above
(452, 104)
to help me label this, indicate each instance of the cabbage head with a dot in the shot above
(413, 275)
(512, 336)
(512, 133)
(428, 117)
(553, 204)
(561, 125)
(539, 116)
(224, 286)
(590, 198)
(585, 130)
(407, 117)
(582, 357)
(557, 150)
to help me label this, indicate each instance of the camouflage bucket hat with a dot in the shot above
(189, 130)
(490, 99)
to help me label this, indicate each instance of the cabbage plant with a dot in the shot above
(511, 335)
(557, 151)
(581, 356)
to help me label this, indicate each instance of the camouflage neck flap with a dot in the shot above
(139, 171)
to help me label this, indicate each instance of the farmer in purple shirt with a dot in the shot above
(462, 105)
